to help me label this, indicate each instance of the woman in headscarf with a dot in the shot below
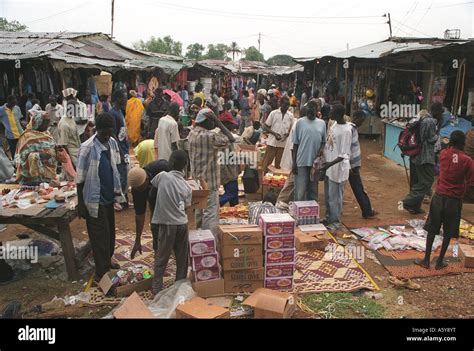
(36, 159)
(133, 118)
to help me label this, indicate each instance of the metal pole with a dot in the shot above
(112, 24)
(259, 43)
(390, 24)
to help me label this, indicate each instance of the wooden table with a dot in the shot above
(55, 224)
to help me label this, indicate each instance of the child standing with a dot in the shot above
(456, 175)
(170, 222)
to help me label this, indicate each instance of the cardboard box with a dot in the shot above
(106, 285)
(244, 234)
(209, 288)
(206, 274)
(271, 304)
(311, 229)
(301, 209)
(236, 251)
(242, 263)
(311, 242)
(466, 254)
(246, 275)
(202, 262)
(198, 308)
(236, 287)
(279, 242)
(282, 283)
(133, 308)
(201, 243)
(273, 271)
(277, 224)
(279, 256)
(200, 194)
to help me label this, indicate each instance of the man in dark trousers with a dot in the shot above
(424, 162)
(456, 175)
(355, 179)
(98, 185)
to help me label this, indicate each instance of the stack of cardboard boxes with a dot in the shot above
(241, 248)
(204, 256)
(305, 212)
(279, 246)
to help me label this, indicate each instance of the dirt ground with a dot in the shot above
(386, 184)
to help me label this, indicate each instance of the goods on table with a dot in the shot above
(305, 212)
(204, 256)
(466, 230)
(239, 211)
(274, 180)
(279, 234)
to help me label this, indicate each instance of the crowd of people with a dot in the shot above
(316, 141)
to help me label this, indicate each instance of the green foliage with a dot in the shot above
(252, 54)
(216, 52)
(11, 26)
(343, 305)
(281, 60)
(195, 51)
(165, 45)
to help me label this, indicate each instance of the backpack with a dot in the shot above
(409, 140)
(251, 180)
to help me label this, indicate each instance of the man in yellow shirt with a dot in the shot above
(10, 116)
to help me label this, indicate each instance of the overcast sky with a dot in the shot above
(299, 28)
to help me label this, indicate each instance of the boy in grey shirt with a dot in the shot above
(170, 223)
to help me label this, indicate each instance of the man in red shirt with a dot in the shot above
(456, 175)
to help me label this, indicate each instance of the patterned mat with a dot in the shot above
(329, 271)
(123, 246)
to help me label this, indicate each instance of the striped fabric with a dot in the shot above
(11, 121)
(203, 147)
(258, 208)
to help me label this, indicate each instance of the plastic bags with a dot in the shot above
(164, 304)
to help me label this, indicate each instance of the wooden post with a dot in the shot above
(68, 250)
(430, 87)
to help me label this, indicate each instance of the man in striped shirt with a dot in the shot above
(354, 175)
(204, 143)
(10, 115)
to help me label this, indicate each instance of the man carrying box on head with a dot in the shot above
(170, 222)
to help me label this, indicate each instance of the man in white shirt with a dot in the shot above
(167, 134)
(56, 112)
(278, 126)
(337, 166)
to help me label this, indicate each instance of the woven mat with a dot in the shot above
(320, 271)
(123, 246)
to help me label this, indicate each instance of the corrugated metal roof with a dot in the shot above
(80, 50)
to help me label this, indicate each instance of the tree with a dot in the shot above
(252, 54)
(195, 51)
(281, 60)
(216, 52)
(165, 45)
(13, 26)
(234, 49)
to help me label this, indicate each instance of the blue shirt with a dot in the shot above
(88, 162)
(106, 176)
(310, 136)
(121, 134)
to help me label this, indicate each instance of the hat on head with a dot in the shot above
(136, 177)
(203, 115)
(262, 92)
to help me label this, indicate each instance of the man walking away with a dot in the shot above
(425, 161)
(98, 184)
(170, 222)
(456, 175)
(355, 179)
(244, 112)
(119, 100)
(337, 155)
(167, 134)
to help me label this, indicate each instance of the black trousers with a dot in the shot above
(358, 189)
(101, 232)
